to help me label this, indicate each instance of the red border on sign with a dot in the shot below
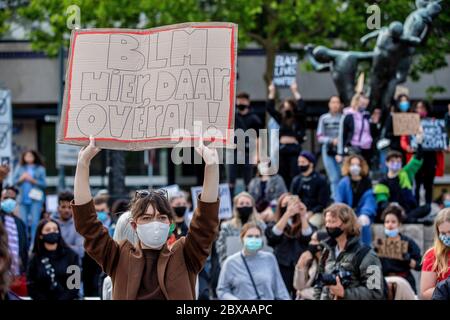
(232, 84)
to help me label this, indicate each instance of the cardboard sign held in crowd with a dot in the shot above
(141, 89)
(285, 69)
(225, 208)
(434, 135)
(406, 123)
(391, 248)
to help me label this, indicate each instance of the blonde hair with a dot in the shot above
(347, 216)
(346, 165)
(440, 265)
(236, 221)
(355, 99)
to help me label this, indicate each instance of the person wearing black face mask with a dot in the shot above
(47, 273)
(291, 119)
(309, 185)
(244, 209)
(307, 265)
(245, 120)
(178, 202)
(347, 269)
(289, 236)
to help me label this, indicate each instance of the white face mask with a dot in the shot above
(153, 234)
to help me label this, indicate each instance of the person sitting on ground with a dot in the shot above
(307, 265)
(309, 185)
(410, 258)
(355, 190)
(251, 274)
(348, 269)
(289, 236)
(243, 211)
(397, 185)
(436, 261)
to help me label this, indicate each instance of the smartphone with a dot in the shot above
(5, 161)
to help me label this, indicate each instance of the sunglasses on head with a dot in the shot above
(145, 193)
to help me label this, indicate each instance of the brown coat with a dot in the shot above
(177, 267)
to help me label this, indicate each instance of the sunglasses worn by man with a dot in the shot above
(149, 269)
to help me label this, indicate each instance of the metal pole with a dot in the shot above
(61, 56)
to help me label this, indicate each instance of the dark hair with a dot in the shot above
(426, 104)
(403, 95)
(288, 122)
(335, 96)
(395, 209)
(243, 95)
(393, 154)
(120, 206)
(5, 278)
(38, 247)
(159, 203)
(37, 158)
(65, 196)
(12, 188)
(322, 235)
(100, 200)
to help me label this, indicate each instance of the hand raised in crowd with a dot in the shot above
(87, 153)
(272, 91)
(364, 220)
(209, 155)
(419, 136)
(294, 90)
(4, 171)
(295, 206)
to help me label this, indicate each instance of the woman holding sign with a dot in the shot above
(148, 269)
(291, 118)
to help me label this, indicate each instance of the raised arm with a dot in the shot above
(319, 67)
(98, 243)
(204, 226)
(82, 191)
(369, 36)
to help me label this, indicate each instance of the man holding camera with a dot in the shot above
(347, 269)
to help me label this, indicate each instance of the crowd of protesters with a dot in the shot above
(295, 234)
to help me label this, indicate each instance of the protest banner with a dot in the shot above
(225, 208)
(434, 135)
(142, 89)
(391, 248)
(285, 69)
(6, 128)
(405, 123)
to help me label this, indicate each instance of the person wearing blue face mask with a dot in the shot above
(251, 274)
(397, 186)
(17, 240)
(409, 259)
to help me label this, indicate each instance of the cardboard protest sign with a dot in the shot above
(285, 69)
(434, 135)
(391, 248)
(225, 208)
(405, 123)
(141, 89)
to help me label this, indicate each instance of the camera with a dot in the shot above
(329, 279)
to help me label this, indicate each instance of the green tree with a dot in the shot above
(273, 24)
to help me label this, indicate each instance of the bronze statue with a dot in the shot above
(342, 64)
(395, 49)
(391, 58)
